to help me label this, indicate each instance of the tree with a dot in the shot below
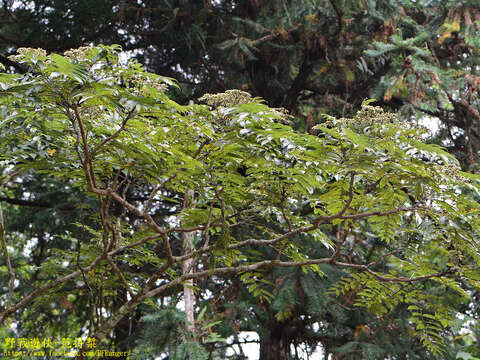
(107, 130)
(415, 57)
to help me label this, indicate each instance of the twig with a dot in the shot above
(170, 178)
(156, 190)
(114, 135)
(341, 236)
(368, 214)
(23, 202)
(120, 275)
(289, 223)
(380, 258)
(300, 230)
(210, 211)
(345, 207)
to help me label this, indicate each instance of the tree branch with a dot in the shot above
(17, 66)
(102, 332)
(21, 202)
(339, 17)
(120, 275)
(33, 295)
(114, 135)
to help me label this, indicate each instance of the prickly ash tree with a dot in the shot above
(111, 131)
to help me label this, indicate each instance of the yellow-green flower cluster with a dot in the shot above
(227, 99)
(159, 86)
(367, 116)
(90, 112)
(452, 171)
(27, 52)
(78, 54)
(238, 97)
(374, 115)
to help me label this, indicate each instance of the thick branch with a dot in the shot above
(21, 202)
(133, 303)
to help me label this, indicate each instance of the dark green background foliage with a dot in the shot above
(418, 59)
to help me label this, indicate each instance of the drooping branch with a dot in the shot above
(108, 325)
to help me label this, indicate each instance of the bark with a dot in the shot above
(276, 345)
(122, 330)
(33, 203)
(188, 265)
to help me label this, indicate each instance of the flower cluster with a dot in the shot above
(78, 54)
(370, 116)
(27, 52)
(236, 97)
(159, 86)
(227, 99)
(451, 171)
(367, 116)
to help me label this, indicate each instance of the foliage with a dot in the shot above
(110, 130)
(312, 57)
(418, 58)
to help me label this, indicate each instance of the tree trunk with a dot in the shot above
(275, 346)
(188, 294)
(122, 329)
